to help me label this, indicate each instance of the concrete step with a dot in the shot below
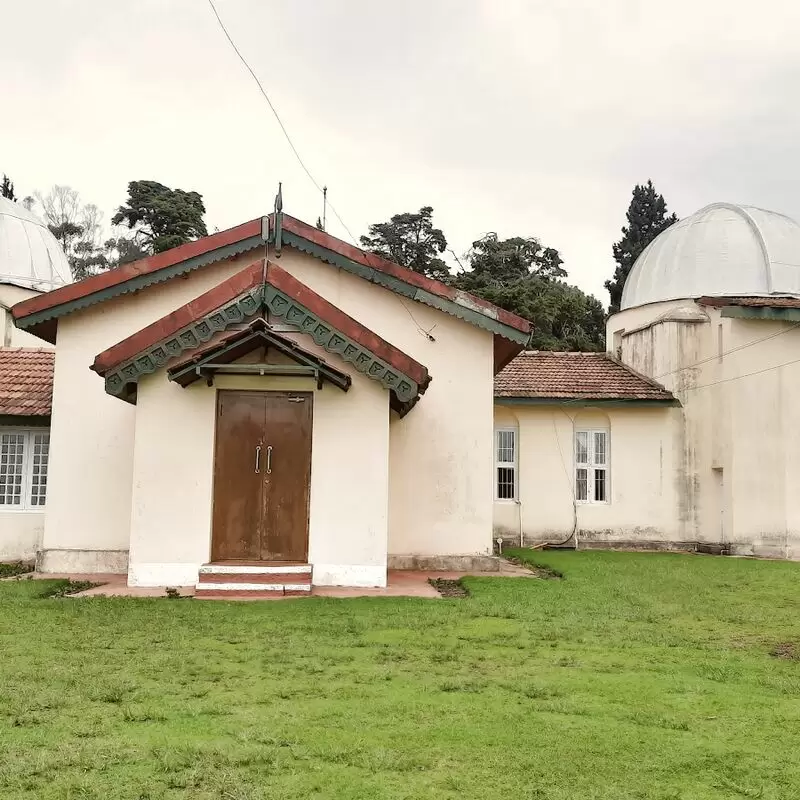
(256, 568)
(254, 580)
(258, 577)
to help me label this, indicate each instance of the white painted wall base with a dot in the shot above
(20, 535)
(83, 561)
(163, 574)
(348, 575)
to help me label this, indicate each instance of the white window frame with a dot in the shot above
(26, 506)
(591, 465)
(513, 464)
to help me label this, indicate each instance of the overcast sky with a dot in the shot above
(516, 116)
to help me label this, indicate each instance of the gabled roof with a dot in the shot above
(40, 314)
(26, 381)
(537, 376)
(221, 354)
(253, 293)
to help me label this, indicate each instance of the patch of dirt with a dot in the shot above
(71, 587)
(538, 570)
(786, 650)
(449, 588)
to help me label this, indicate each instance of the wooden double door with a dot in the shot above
(262, 474)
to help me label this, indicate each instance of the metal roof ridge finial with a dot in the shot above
(278, 219)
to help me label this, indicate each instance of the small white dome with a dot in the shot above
(30, 255)
(721, 250)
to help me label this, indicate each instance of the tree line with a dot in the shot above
(517, 273)
(154, 218)
(521, 275)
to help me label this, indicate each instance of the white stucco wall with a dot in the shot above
(440, 492)
(761, 467)
(20, 534)
(738, 461)
(87, 526)
(173, 479)
(10, 335)
(440, 455)
(642, 483)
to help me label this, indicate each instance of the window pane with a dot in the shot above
(505, 447)
(41, 456)
(581, 484)
(600, 448)
(600, 486)
(12, 453)
(581, 447)
(505, 483)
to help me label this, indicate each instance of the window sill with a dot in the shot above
(11, 510)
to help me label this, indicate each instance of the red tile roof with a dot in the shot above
(313, 234)
(751, 302)
(26, 381)
(105, 282)
(145, 266)
(579, 376)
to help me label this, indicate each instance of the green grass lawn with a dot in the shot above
(636, 676)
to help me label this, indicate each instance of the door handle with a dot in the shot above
(258, 456)
(269, 459)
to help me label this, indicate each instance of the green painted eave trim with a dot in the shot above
(122, 380)
(143, 281)
(394, 284)
(24, 421)
(119, 380)
(583, 403)
(762, 312)
(278, 304)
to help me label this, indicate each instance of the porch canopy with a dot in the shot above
(234, 318)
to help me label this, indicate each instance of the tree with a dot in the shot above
(411, 241)
(78, 227)
(7, 188)
(522, 276)
(647, 217)
(161, 218)
(121, 250)
(506, 260)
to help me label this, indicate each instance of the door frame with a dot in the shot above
(306, 393)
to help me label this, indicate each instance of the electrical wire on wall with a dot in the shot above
(727, 352)
(323, 190)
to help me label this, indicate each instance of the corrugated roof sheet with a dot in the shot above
(580, 376)
(26, 381)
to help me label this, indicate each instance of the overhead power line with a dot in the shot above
(265, 95)
(322, 190)
(727, 352)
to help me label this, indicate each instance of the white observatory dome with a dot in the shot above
(30, 256)
(723, 250)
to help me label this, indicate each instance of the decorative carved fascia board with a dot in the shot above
(333, 341)
(235, 312)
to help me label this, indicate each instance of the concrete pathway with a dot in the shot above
(402, 583)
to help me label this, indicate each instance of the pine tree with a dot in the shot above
(7, 188)
(647, 217)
